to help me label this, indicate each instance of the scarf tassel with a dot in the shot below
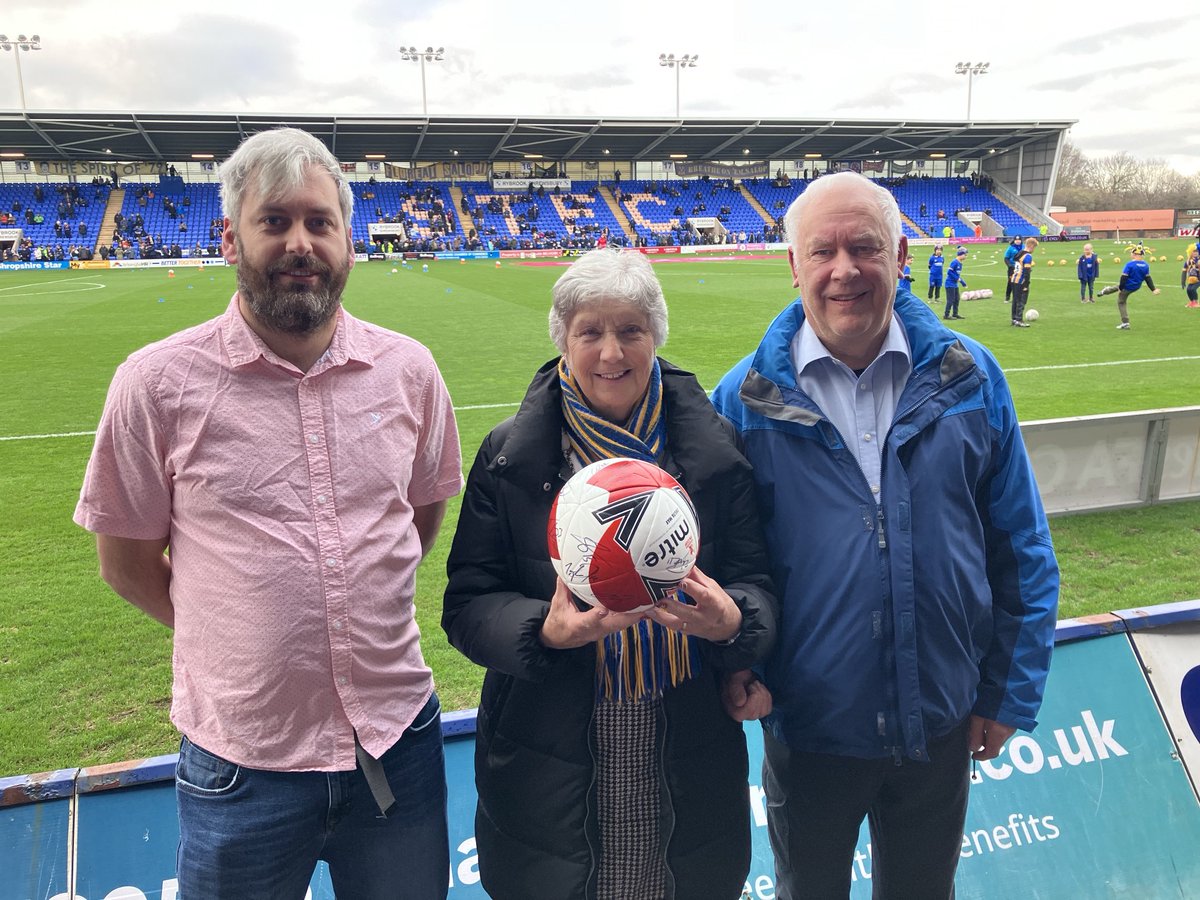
(642, 661)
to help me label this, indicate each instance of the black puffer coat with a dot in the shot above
(535, 822)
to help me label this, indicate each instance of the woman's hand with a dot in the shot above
(567, 626)
(712, 614)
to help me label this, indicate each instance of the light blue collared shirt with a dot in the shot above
(861, 407)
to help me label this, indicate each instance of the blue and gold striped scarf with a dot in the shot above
(641, 661)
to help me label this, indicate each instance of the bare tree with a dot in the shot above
(1073, 167)
(1121, 181)
(1115, 176)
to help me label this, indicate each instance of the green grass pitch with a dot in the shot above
(85, 678)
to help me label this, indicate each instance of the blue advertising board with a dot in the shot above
(35, 834)
(1094, 803)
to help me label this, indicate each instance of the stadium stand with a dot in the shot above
(425, 209)
(169, 218)
(62, 208)
(951, 195)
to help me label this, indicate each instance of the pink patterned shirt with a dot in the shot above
(288, 500)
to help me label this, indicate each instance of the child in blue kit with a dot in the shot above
(1088, 270)
(937, 264)
(954, 281)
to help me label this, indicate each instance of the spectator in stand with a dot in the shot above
(1021, 278)
(1087, 270)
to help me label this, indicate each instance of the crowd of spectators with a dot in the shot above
(536, 218)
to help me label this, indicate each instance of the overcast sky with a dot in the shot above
(1128, 81)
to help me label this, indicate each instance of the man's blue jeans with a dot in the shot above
(252, 833)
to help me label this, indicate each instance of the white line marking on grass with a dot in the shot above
(38, 437)
(67, 434)
(478, 406)
(77, 287)
(1096, 365)
(484, 406)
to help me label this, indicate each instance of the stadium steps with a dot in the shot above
(913, 225)
(108, 225)
(618, 214)
(767, 218)
(465, 220)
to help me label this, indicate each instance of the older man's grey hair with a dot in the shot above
(275, 161)
(609, 274)
(888, 210)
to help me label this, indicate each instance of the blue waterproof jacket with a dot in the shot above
(898, 621)
(1088, 267)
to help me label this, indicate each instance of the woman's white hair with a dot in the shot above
(608, 275)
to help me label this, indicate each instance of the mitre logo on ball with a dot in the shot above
(622, 534)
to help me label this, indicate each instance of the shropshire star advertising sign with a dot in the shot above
(1095, 803)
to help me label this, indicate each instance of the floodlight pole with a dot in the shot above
(965, 68)
(412, 54)
(20, 43)
(687, 59)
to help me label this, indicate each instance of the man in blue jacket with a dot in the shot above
(918, 584)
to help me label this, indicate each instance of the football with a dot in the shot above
(622, 533)
(1031, 315)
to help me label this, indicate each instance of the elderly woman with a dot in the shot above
(587, 788)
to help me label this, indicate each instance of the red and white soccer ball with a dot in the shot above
(622, 534)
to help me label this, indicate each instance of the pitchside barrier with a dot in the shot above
(1097, 802)
(1116, 460)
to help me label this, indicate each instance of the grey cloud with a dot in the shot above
(164, 74)
(1083, 80)
(1120, 36)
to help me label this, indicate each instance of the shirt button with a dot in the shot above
(862, 385)
(321, 499)
(874, 489)
(337, 625)
(331, 562)
(312, 438)
(867, 436)
(342, 680)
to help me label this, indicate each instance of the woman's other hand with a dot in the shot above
(567, 626)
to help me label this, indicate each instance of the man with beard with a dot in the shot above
(296, 462)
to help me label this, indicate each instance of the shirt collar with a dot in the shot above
(807, 348)
(351, 342)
